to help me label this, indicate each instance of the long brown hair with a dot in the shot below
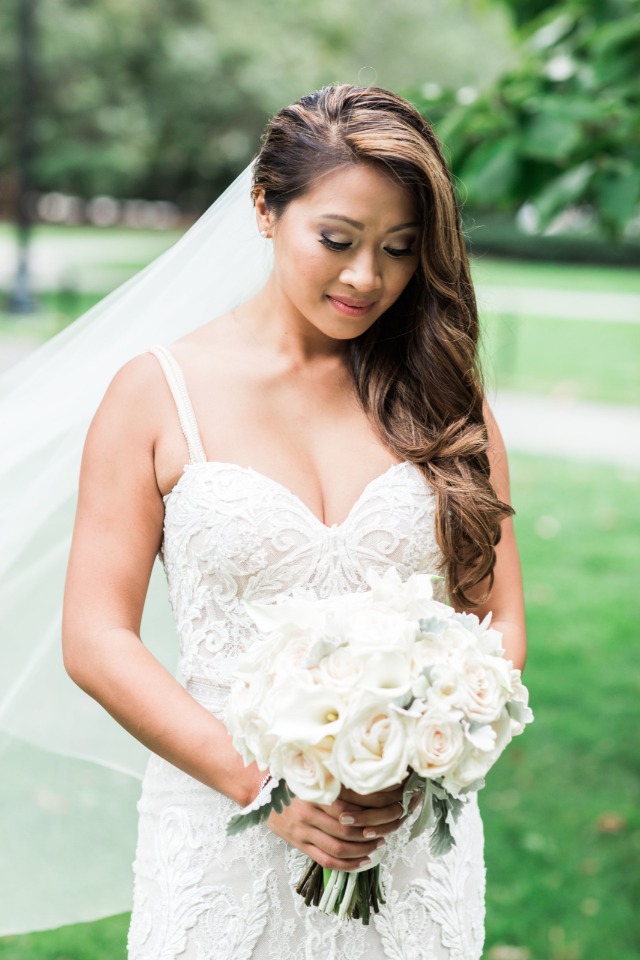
(416, 368)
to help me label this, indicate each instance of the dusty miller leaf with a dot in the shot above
(280, 798)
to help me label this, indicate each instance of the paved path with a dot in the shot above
(578, 305)
(598, 432)
(604, 433)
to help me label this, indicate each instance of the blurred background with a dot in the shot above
(121, 122)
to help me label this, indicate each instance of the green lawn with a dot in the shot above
(561, 809)
(580, 361)
(518, 273)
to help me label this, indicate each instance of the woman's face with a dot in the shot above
(345, 251)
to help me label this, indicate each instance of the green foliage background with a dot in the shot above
(561, 127)
(167, 98)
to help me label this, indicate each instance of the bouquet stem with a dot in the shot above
(349, 894)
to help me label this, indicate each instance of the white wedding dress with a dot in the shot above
(232, 534)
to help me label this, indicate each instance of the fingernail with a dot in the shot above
(366, 862)
(347, 820)
(370, 834)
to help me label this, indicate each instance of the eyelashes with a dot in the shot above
(394, 252)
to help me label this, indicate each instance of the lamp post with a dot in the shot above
(21, 300)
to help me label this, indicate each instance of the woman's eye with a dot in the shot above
(405, 252)
(333, 244)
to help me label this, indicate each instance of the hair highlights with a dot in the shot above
(416, 369)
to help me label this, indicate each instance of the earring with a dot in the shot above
(263, 233)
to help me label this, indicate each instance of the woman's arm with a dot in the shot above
(117, 534)
(506, 600)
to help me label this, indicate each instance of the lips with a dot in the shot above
(351, 306)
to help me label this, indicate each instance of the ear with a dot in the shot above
(264, 218)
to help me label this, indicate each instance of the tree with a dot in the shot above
(166, 98)
(562, 128)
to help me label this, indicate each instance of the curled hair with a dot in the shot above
(416, 368)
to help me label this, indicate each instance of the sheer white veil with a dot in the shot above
(69, 775)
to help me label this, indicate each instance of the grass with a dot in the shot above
(561, 810)
(597, 362)
(518, 273)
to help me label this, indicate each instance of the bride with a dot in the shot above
(333, 421)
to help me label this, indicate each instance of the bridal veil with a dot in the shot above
(69, 775)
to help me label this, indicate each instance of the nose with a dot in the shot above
(362, 272)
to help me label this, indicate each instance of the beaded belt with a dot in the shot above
(210, 694)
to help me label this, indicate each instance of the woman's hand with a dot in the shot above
(343, 835)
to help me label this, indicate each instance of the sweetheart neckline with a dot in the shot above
(294, 496)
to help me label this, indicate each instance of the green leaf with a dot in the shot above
(280, 798)
(563, 191)
(441, 840)
(551, 135)
(491, 170)
(618, 193)
(413, 784)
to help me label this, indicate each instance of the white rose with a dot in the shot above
(305, 771)
(437, 744)
(371, 751)
(340, 669)
(481, 691)
(294, 654)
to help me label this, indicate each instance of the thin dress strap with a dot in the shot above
(178, 387)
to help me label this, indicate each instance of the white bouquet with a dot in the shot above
(365, 690)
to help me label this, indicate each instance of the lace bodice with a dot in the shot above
(232, 534)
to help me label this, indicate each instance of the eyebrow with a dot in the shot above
(360, 226)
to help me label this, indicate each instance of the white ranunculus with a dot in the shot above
(304, 712)
(372, 749)
(437, 744)
(426, 651)
(444, 686)
(305, 771)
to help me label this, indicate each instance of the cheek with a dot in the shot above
(307, 268)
